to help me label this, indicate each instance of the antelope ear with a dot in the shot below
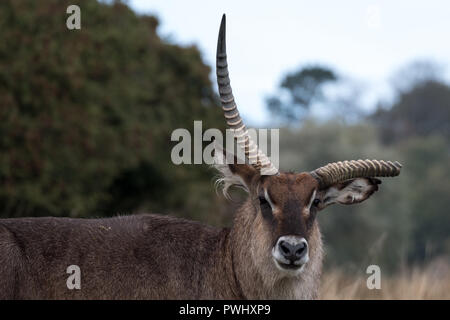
(348, 192)
(232, 172)
(245, 172)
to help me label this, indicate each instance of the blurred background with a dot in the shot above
(86, 117)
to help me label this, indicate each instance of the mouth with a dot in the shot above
(289, 266)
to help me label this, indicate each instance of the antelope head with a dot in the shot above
(285, 205)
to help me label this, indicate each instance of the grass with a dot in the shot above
(431, 282)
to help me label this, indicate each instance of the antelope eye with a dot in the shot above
(266, 209)
(316, 202)
(263, 201)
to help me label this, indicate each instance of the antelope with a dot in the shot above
(272, 251)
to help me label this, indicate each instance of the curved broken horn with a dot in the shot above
(344, 170)
(256, 158)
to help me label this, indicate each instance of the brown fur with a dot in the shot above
(159, 257)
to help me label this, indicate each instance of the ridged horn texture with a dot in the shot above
(256, 158)
(344, 170)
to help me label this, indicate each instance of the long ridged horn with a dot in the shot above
(256, 158)
(340, 171)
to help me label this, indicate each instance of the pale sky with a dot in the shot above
(364, 40)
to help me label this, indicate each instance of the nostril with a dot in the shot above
(300, 249)
(285, 248)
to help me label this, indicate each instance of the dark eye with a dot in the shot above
(263, 201)
(266, 209)
(316, 202)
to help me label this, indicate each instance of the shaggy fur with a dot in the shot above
(159, 257)
(137, 257)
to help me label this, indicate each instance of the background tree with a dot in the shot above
(299, 91)
(86, 115)
(416, 73)
(421, 103)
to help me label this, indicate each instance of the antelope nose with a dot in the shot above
(293, 251)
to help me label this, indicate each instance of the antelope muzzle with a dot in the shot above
(290, 254)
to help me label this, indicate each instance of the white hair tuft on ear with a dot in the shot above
(226, 178)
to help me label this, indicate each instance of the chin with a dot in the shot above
(290, 270)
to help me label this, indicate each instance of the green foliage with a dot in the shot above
(420, 111)
(86, 115)
(429, 160)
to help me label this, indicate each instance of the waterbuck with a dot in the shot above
(273, 250)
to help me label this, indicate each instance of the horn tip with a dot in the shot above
(221, 48)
